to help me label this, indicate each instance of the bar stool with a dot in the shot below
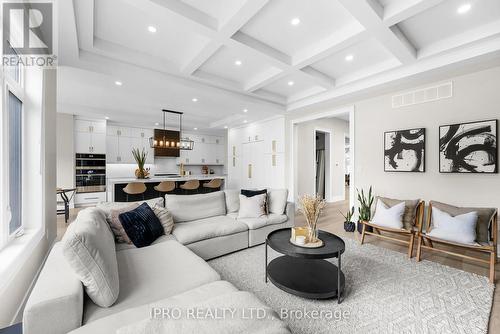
(213, 185)
(190, 186)
(165, 187)
(135, 188)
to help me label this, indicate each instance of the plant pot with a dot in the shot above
(141, 173)
(349, 226)
(360, 228)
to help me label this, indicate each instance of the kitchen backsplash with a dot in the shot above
(161, 165)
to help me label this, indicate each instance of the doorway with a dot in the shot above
(306, 166)
(323, 181)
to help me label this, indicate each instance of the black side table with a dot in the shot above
(303, 271)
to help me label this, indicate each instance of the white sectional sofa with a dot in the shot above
(208, 224)
(169, 273)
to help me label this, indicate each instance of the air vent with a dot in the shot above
(423, 95)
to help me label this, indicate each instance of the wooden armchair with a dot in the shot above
(486, 235)
(412, 219)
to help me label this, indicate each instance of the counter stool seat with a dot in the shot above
(165, 187)
(214, 184)
(135, 188)
(190, 186)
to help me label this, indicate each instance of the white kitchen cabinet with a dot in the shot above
(208, 150)
(87, 199)
(121, 140)
(90, 136)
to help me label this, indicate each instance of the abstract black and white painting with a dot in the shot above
(468, 147)
(404, 150)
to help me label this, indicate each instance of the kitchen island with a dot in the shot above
(115, 185)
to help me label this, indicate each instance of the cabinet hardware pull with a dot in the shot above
(234, 150)
(274, 146)
(249, 171)
(234, 162)
(274, 160)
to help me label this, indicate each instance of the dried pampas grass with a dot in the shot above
(311, 207)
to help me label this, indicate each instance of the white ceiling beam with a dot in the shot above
(228, 29)
(370, 13)
(201, 57)
(191, 13)
(320, 78)
(263, 79)
(399, 11)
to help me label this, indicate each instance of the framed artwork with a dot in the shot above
(404, 150)
(469, 147)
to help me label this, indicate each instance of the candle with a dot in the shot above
(300, 240)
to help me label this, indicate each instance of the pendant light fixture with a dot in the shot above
(171, 139)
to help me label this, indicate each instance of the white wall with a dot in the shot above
(65, 151)
(475, 97)
(306, 162)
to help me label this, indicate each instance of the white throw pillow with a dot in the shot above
(165, 218)
(276, 200)
(460, 229)
(389, 217)
(89, 247)
(252, 207)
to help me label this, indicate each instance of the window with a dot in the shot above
(15, 131)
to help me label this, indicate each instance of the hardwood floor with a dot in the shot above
(332, 221)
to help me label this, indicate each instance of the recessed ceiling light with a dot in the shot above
(225, 126)
(118, 83)
(291, 83)
(349, 58)
(194, 99)
(152, 29)
(464, 8)
(238, 63)
(295, 21)
(245, 121)
(195, 128)
(245, 110)
(106, 117)
(157, 123)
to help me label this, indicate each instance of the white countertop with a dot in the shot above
(165, 178)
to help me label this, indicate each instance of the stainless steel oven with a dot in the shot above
(90, 173)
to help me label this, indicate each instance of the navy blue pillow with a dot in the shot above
(141, 225)
(252, 193)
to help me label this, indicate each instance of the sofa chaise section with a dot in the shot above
(153, 273)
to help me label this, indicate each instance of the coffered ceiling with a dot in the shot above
(263, 56)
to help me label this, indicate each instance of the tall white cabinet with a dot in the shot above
(256, 155)
(121, 140)
(90, 136)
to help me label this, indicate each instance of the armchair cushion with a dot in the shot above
(389, 216)
(483, 221)
(410, 209)
(460, 229)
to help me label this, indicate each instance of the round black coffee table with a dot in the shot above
(304, 271)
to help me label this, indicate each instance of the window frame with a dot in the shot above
(9, 85)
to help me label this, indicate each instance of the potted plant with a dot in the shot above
(349, 225)
(364, 209)
(140, 158)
